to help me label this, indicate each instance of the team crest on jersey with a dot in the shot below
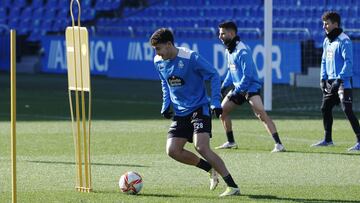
(196, 56)
(175, 81)
(161, 66)
(181, 64)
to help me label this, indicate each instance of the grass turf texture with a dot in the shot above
(128, 134)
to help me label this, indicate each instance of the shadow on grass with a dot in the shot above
(145, 195)
(161, 195)
(250, 150)
(96, 164)
(315, 152)
(271, 197)
(256, 197)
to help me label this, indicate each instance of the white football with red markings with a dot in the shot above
(130, 183)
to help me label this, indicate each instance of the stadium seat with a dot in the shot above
(126, 11)
(5, 3)
(341, 2)
(64, 14)
(296, 12)
(254, 35)
(281, 23)
(179, 14)
(47, 24)
(281, 12)
(19, 3)
(285, 2)
(25, 23)
(311, 11)
(26, 12)
(3, 13)
(13, 23)
(103, 22)
(187, 3)
(312, 2)
(107, 5)
(59, 25)
(318, 37)
(37, 3)
(250, 23)
(38, 13)
(36, 24)
(3, 21)
(50, 13)
(88, 14)
(14, 12)
(36, 35)
(350, 23)
(66, 4)
(22, 31)
(278, 35)
(200, 22)
(100, 5)
(51, 4)
(124, 33)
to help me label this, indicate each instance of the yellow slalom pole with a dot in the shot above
(78, 64)
(13, 110)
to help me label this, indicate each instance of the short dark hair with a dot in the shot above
(161, 36)
(229, 25)
(333, 16)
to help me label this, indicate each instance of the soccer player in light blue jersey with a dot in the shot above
(336, 78)
(242, 76)
(183, 74)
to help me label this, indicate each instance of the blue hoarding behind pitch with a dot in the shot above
(133, 57)
(5, 52)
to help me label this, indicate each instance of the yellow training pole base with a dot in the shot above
(83, 189)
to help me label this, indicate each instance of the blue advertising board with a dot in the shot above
(356, 65)
(133, 58)
(54, 58)
(4, 52)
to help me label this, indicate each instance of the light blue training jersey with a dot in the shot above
(242, 71)
(183, 82)
(337, 60)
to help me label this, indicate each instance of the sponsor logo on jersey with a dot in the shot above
(181, 64)
(175, 81)
(329, 54)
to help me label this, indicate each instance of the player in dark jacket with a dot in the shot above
(335, 78)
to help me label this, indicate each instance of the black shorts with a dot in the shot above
(240, 99)
(187, 126)
(342, 96)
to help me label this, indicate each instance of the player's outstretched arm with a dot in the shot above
(209, 73)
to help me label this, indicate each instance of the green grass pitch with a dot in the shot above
(128, 134)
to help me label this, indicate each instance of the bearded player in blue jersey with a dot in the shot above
(335, 78)
(183, 74)
(242, 77)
